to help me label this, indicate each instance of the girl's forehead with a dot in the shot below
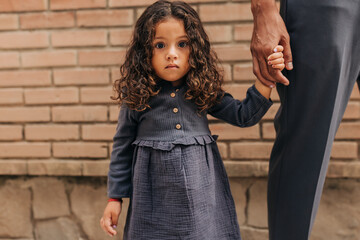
(170, 27)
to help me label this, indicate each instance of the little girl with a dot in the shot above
(164, 157)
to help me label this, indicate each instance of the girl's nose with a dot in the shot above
(171, 54)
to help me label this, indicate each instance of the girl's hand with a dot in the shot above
(276, 59)
(110, 217)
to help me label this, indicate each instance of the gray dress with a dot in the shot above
(168, 163)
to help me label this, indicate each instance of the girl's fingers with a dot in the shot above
(275, 55)
(108, 226)
(280, 66)
(276, 61)
(278, 48)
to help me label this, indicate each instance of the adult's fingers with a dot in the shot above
(257, 72)
(287, 52)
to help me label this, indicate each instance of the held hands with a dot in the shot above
(269, 31)
(276, 62)
(110, 217)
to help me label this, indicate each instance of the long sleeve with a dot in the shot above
(242, 113)
(119, 175)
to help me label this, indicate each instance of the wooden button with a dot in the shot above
(172, 95)
(175, 110)
(178, 126)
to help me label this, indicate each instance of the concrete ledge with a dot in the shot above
(99, 168)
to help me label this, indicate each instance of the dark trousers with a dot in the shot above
(325, 43)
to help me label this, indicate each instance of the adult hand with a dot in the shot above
(269, 31)
(110, 217)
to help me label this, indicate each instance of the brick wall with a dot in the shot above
(59, 58)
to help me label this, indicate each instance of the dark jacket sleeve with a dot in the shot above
(119, 175)
(244, 113)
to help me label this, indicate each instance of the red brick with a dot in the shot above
(225, 12)
(52, 132)
(117, 3)
(348, 130)
(233, 52)
(9, 60)
(98, 132)
(344, 170)
(352, 110)
(114, 113)
(344, 150)
(268, 131)
(10, 132)
(79, 114)
(24, 40)
(78, 4)
(47, 20)
(24, 150)
(54, 167)
(227, 72)
(355, 95)
(246, 169)
(81, 77)
(80, 150)
(238, 91)
(13, 167)
(120, 37)
(250, 150)
(96, 95)
(243, 32)
(223, 150)
(105, 18)
(49, 59)
(9, 22)
(230, 132)
(274, 95)
(243, 72)
(96, 168)
(51, 96)
(11, 96)
(24, 78)
(20, 5)
(24, 114)
(219, 33)
(115, 74)
(101, 57)
(272, 111)
(79, 38)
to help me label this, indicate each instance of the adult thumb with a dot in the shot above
(287, 54)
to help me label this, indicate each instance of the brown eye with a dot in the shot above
(183, 44)
(159, 45)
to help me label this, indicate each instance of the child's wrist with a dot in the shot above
(263, 89)
(115, 200)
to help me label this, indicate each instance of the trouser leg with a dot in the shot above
(324, 38)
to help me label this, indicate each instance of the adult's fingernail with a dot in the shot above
(289, 65)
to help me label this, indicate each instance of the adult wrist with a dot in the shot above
(261, 6)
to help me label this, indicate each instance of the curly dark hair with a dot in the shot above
(138, 81)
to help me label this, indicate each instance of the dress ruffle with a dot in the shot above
(169, 145)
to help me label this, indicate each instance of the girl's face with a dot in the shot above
(170, 58)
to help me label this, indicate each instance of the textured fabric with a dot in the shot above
(182, 193)
(174, 176)
(159, 124)
(325, 45)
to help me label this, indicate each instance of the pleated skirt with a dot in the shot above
(180, 191)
